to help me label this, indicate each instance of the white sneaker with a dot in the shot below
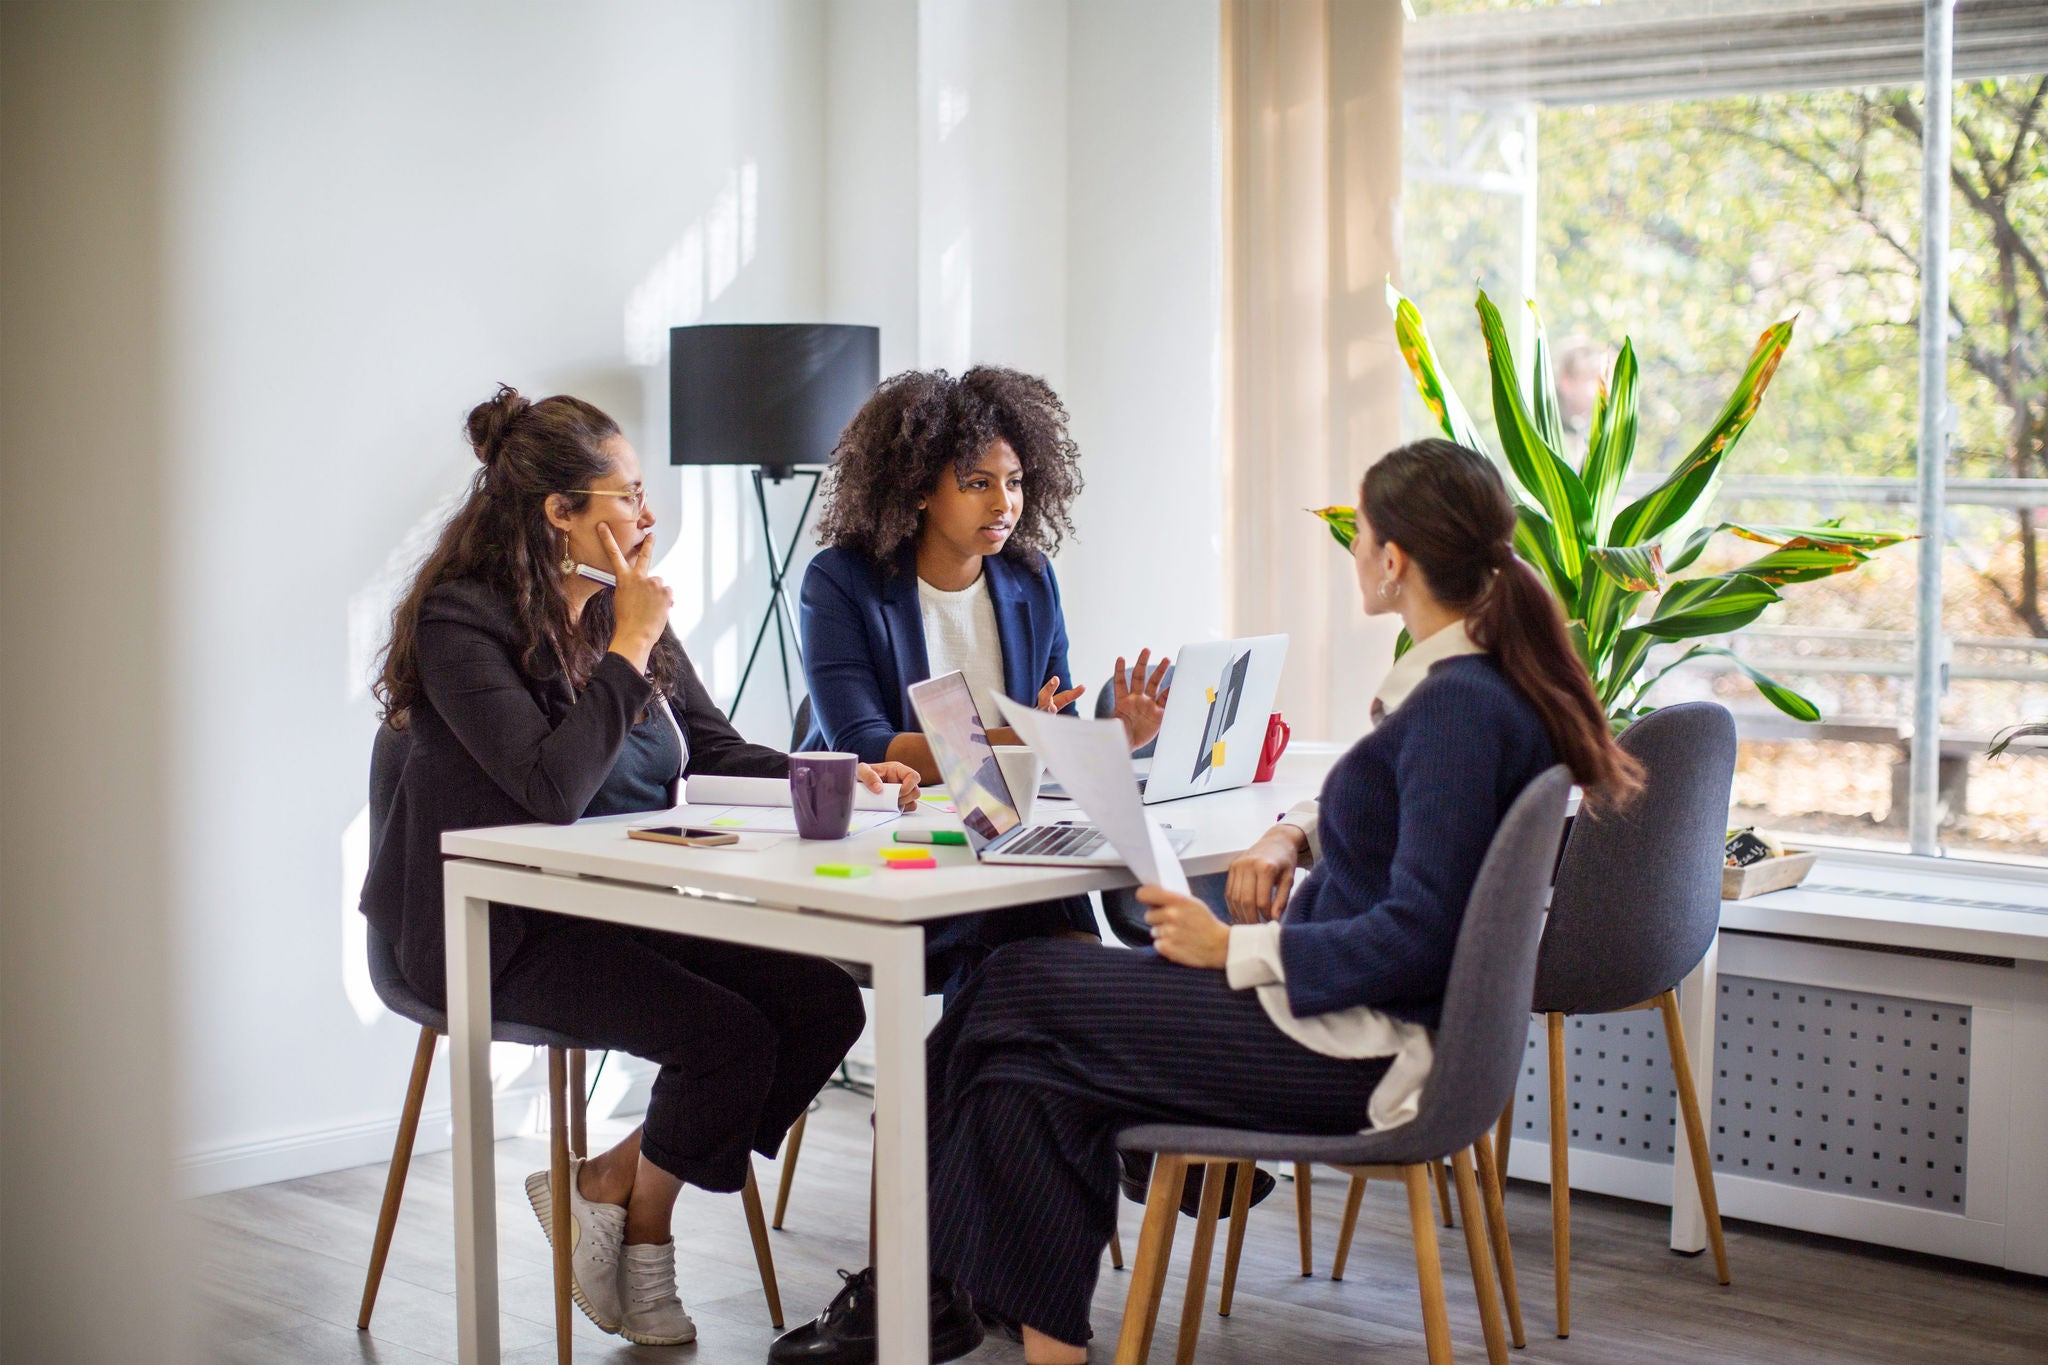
(653, 1314)
(595, 1233)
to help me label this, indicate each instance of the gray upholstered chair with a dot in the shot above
(567, 1134)
(1636, 906)
(1479, 1046)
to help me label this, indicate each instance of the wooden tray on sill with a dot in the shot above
(1772, 874)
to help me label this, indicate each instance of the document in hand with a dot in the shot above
(1093, 760)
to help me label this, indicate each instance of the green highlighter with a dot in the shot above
(931, 836)
(839, 870)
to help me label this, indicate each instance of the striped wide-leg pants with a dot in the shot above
(1051, 1050)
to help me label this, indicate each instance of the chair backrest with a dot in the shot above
(1105, 707)
(800, 728)
(1485, 1022)
(1638, 897)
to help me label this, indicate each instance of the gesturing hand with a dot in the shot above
(1050, 698)
(902, 774)
(640, 603)
(1262, 876)
(1140, 697)
(1184, 930)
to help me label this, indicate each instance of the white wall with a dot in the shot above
(377, 211)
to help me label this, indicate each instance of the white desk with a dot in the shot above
(592, 869)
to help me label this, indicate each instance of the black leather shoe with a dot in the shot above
(844, 1334)
(1136, 1180)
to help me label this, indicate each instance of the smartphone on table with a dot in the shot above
(689, 836)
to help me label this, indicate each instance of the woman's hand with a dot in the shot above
(1184, 930)
(902, 774)
(1140, 698)
(640, 603)
(1262, 877)
(1050, 698)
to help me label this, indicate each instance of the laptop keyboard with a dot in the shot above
(1057, 841)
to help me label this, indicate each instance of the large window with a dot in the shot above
(1686, 196)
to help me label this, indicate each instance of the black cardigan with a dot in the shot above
(493, 744)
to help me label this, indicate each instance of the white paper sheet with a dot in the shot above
(705, 790)
(1093, 759)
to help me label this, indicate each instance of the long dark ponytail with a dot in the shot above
(528, 452)
(1447, 508)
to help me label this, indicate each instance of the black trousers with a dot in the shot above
(745, 1037)
(955, 948)
(1044, 1056)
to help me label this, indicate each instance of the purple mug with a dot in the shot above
(821, 790)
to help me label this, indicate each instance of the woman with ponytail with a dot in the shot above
(530, 692)
(1313, 1012)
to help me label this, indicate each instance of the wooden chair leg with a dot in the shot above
(1116, 1250)
(1560, 1178)
(1155, 1248)
(394, 1179)
(1695, 1130)
(1352, 1200)
(1199, 1257)
(579, 1106)
(1502, 1131)
(558, 1188)
(1233, 1248)
(1497, 1233)
(757, 1227)
(1481, 1256)
(1304, 1216)
(1443, 1191)
(791, 1145)
(1436, 1318)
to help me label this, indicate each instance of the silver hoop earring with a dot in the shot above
(1387, 583)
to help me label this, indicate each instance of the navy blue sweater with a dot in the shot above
(1405, 820)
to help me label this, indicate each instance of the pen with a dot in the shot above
(930, 836)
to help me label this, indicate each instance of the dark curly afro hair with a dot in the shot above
(918, 426)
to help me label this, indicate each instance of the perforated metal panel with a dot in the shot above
(1618, 1085)
(1844, 1091)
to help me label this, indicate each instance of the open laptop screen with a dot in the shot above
(959, 740)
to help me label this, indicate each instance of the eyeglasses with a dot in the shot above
(635, 497)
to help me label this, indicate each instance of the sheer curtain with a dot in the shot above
(1311, 184)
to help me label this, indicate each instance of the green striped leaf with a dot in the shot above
(1549, 480)
(1774, 692)
(1543, 388)
(1342, 521)
(1536, 542)
(1723, 603)
(1612, 445)
(1802, 564)
(1650, 515)
(1430, 380)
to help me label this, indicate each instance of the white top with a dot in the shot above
(1255, 963)
(960, 633)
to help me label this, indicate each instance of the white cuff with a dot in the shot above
(1254, 956)
(1304, 816)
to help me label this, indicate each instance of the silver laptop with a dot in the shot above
(959, 739)
(1215, 721)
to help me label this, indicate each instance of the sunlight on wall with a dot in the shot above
(355, 930)
(369, 606)
(699, 266)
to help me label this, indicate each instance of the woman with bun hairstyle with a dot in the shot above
(1313, 1011)
(531, 692)
(946, 497)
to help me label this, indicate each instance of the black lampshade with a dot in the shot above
(772, 394)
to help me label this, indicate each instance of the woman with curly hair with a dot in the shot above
(529, 691)
(946, 496)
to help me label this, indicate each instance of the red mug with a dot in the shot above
(1278, 732)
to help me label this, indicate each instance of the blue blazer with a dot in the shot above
(864, 643)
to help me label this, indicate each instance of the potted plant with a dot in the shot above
(1604, 563)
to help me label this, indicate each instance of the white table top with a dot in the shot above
(1224, 824)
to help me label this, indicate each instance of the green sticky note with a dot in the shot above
(730, 822)
(840, 870)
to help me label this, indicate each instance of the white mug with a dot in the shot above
(1022, 769)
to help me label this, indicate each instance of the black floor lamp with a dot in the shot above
(774, 396)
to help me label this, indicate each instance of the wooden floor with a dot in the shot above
(281, 1272)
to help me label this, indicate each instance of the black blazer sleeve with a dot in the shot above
(715, 747)
(552, 767)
